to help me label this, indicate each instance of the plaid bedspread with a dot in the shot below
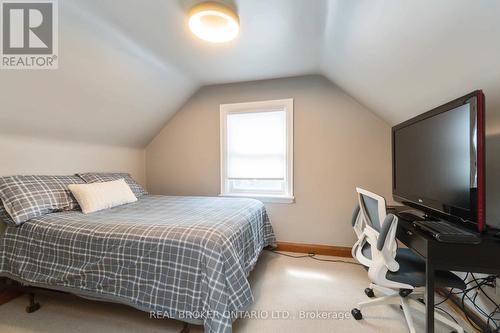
(183, 257)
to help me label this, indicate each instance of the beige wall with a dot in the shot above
(338, 145)
(26, 155)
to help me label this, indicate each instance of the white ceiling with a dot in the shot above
(126, 66)
(403, 57)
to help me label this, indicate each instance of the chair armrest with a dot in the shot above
(387, 243)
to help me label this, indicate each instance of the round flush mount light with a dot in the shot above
(214, 22)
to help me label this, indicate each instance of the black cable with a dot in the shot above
(464, 295)
(472, 300)
(488, 316)
(291, 256)
(497, 306)
(449, 315)
(447, 297)
(493, 320)
(474, 325)
(451, 292)
(337, 260)
(479, 283)
(313, 256)
(478, 309)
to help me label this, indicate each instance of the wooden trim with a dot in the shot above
(328, 250)
(8, 295)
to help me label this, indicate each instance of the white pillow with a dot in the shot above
(98, 196)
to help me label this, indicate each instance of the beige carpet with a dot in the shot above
(282, 286)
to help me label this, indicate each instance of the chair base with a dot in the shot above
(406, 301)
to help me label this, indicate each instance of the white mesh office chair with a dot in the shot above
(361, 217)
(397, 274)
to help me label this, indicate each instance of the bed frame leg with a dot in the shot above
(33, 306)
(185, 328)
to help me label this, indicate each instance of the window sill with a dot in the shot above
(263, 198)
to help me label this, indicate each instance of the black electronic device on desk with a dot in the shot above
(446, 232)
(439, 163)
(439, 169)
(442, 231)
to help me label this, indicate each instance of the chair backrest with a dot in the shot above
(372, 207)
(379, 235)
(370, 210)
(358, 223)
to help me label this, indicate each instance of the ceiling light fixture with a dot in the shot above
(214, 22)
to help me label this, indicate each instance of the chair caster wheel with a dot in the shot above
(369, 292)
(356, 313)
(32, 308)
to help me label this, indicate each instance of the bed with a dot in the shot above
(184, 258)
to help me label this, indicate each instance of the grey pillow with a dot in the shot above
(97, 177)
(27, 197)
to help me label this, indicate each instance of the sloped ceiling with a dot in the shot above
(126, 66)
(401, 58)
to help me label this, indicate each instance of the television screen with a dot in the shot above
(436, 161)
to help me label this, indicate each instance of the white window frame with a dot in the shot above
(250, 107)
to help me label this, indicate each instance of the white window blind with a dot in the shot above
(256, 149)
(256, 145)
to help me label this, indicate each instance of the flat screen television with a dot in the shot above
(438, 161)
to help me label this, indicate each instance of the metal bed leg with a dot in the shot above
(185, 328)
(33, 306)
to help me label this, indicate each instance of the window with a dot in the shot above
(257, 150)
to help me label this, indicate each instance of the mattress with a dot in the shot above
(185, 258)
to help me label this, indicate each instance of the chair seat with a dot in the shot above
(412, 271)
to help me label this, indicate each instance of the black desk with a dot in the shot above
(480, 258)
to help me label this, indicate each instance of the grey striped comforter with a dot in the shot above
(185, 257)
